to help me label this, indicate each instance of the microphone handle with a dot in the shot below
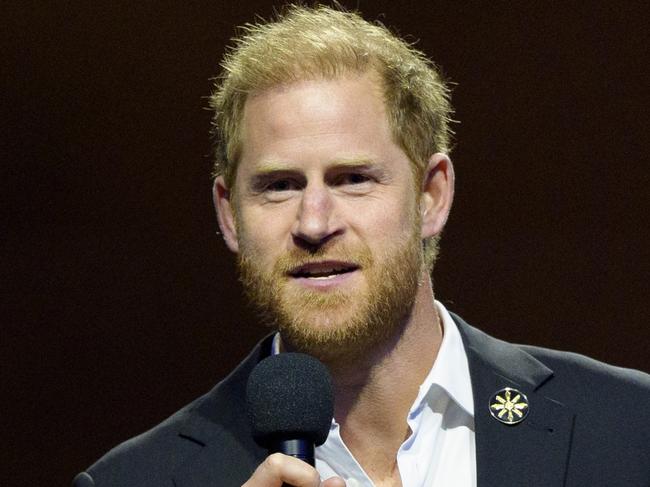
(297, 448)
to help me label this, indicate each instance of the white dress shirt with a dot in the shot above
(440, 451)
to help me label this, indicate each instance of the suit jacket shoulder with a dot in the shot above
(208, 442)
(589, 372)
(149, 458)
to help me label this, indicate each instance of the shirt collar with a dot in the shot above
(450, 370)
(275, 344)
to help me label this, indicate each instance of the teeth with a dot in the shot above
(322, 273)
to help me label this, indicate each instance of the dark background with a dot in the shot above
(119, 301)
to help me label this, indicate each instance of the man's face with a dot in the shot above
(327, 220)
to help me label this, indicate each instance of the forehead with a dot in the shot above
(341, 115)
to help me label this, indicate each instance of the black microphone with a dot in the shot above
(290, 404)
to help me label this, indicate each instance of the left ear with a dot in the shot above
(437, 194)
(221, 195)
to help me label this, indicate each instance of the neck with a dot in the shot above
(375, 393)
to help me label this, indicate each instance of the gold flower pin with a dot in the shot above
(509, 406)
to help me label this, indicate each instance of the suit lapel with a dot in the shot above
(534, 452)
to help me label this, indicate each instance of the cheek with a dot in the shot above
(389, 220)
(262, 232)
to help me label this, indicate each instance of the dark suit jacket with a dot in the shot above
(588, 425)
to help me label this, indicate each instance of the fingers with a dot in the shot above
(278, 469)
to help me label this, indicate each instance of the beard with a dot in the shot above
(335, 324)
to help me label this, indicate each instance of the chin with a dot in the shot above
(325, 337)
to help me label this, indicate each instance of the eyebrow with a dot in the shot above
(354, 162)
(268, 167)
(273, 166)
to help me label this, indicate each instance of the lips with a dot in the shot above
(323, 270)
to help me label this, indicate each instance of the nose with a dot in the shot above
(315, 223)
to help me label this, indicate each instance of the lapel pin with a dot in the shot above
(509, 406)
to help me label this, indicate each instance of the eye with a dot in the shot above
(352, 178)
(281, 185)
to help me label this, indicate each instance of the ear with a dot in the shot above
(437, 194)
(222, 203)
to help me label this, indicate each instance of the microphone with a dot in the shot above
(290, 404)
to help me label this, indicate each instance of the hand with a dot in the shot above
(278, 469)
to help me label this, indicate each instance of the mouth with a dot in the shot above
(323, 270)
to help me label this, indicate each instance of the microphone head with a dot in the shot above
(289, 396)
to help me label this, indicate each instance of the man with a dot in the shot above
(332, 187)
